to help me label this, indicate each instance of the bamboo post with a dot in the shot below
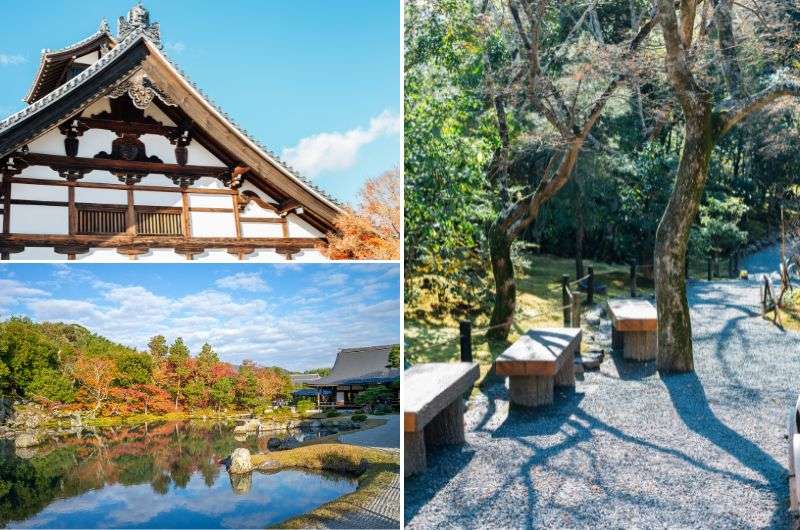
(465, 331)
(590, 287)
(565, 297)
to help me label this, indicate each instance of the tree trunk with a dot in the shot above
(505, 288)
(579, 230)
(672, 237)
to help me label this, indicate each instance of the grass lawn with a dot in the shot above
(429, 338)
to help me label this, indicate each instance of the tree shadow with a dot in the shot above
(690, 402)
(444, 463)
(632, 370)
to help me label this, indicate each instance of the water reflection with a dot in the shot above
(166, 476)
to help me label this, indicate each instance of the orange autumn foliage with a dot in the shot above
(373, 231)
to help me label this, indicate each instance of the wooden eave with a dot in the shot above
(54, 65)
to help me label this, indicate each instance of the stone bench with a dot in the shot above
(433, 408)
(538, 361)
(634, 323)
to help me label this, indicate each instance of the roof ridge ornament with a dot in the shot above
(138, 21)
(104, 27)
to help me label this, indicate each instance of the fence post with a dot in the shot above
(633, 279)
(730, 266)
(716, 266)
(575, 317)
(565, 297)
(465, 330)
(709, 268)
(590, 287)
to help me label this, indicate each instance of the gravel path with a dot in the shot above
(629, 449)
(384, 436)
(382, 511)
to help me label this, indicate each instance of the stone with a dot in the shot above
(26, 440)
(240, 461)
(241, 482)
(282, 444)
(316, 424)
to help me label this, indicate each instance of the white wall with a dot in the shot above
(197, 200)
(161, 255)
(157, 198)
(102, 255)
(99, 177)
(99, 196)
(309, 255)
(299, 228)
(254, 210)
(28, 219)
(39, 193)
(91, 143)
(208, 224)
(262, 230)
(248, 186)
(37, 253)
(89, 58)
(265, 255)
(216, 254)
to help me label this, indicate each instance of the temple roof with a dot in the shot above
(35, 119)
(360, 366)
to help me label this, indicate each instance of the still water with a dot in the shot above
(152, 476)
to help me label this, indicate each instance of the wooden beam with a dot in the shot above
(236, 219)
(263, 220)
(117, 240)
(105, 186)
(121, 127)
(120, 166)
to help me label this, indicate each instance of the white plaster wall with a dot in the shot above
(37, 253)
(209, 183)
(262, 230)
(100, 196)
(254, 210)
(247, 186)
(102, 255)
(299, 228)
(40, 172)
(155, 113)
(157, 179)
(265, 255)
(309, 255)
(161, 255)
(197, 200)
(35, 192)
(97, 107)
(157, 145)
(49, 143)
(209, 224)
(200, 156)
(100, 177)
(216, 255)
(157, 198)
(89, 58)
(92, 142)
(28, 219)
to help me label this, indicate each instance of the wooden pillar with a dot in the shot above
(530, 390)
(236, 220)
(186, 223)
(590, 287)
(6, 186)
(575, 310)
(414, 457)
(640, 345)
(130, 215)
(465, 332)
(447, 427)
(73, 211)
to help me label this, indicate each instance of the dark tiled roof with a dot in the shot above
(298, 379)
(361, 366)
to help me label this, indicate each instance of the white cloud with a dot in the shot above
(177, 47)
(246, 281)
(11, 60)
(339, 150)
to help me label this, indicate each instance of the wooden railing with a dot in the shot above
(101, 221)
(158, 223)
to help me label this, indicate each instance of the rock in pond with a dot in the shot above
(281, 444)
(240, 461)
(26, 440)
(241, 483)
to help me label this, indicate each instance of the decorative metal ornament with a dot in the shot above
(138, 21)
(129, 178)
(183, 181)
(141, 90)
(71, 174)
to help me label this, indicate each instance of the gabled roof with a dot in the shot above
(299, 379)
(53, 63)
(361, 366)
(137, 52)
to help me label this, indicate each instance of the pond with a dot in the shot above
(166, 475)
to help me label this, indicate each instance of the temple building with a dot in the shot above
(119, 156)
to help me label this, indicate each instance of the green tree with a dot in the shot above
(179, 361)
(52, 385)
(394, 357)
(157, 347)
(134, 368)
(222, 393)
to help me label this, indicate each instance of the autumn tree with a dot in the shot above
(96, 376)
(373, 230)
(702, 39)
(157, 347)
(180, 368)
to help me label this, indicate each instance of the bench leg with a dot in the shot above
(640, 345)
(447, 428)
(530, 390)
(616, 339)
(414, 460)
(566, 375)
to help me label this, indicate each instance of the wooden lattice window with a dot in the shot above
(158, 223)
(101, 221)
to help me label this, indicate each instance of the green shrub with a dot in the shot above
(358, 417)
(332, 414)
(304, 405)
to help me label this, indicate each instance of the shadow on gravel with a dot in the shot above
(444, 463)
(540, 421)
(689, 399)
(632, 370)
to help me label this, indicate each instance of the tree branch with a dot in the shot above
(732, 111)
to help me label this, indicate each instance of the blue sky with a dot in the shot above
(317, 81)
(289, 315)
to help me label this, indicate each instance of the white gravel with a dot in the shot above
(629, 449)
